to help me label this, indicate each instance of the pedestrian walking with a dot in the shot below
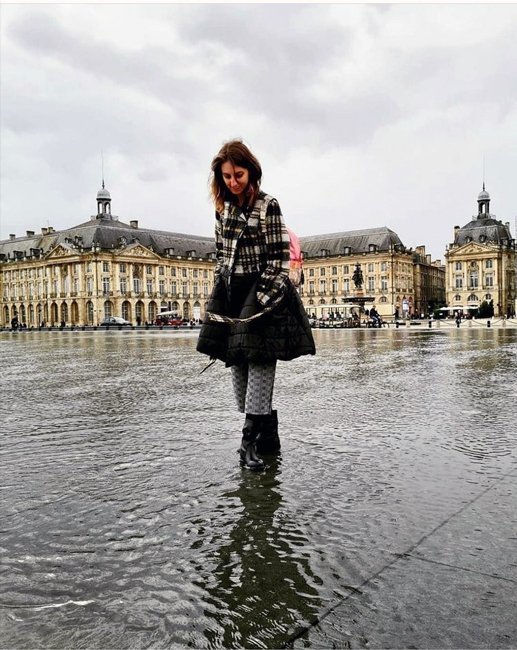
(254, 316)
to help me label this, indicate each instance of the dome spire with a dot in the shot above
(103, 198)
(483, 204)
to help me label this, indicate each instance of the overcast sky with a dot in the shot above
(362, 115)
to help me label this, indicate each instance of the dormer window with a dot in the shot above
(325, 252)
(373, 248)
(347, 250)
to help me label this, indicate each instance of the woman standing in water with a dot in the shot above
(255, 316)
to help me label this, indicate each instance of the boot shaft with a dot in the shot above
(268, 441)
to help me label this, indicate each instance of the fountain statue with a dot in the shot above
(357, 277)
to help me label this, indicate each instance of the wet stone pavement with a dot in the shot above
(389, 520)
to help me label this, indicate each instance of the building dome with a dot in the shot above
(103, 194)
(483, 195)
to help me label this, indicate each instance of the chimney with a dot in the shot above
(133, 223)
(30, 233)
(12, 236)
(43, 231)
(428, 259)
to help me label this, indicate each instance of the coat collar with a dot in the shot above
(233, 211)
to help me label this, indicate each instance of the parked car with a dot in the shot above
(167, 319)
(115, 321)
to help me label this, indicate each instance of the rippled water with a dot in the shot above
(127, 522)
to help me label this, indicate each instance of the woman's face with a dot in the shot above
(236, 178)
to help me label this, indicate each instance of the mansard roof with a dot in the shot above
(109, 233)
(359, 241)
(483, 230)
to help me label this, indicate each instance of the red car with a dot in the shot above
(166, 319)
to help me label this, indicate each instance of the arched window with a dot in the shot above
(473, 298)
(126, 310)
(152, 311)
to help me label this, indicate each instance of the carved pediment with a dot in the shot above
(470, 249)
(139, 250)
(59, 251)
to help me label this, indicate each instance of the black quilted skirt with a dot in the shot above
(281, 333)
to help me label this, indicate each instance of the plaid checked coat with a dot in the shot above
(254, 241)
(272, 322)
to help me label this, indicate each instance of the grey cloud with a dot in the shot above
(277, 53)
(276, 80)
(451, 75)
(269, 32)
(153, 69)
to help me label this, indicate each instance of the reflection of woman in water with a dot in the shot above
(262, 591)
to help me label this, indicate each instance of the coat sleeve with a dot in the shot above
(274, 276)
(218, 244)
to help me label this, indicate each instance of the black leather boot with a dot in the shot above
(248, 451)
(268, 441)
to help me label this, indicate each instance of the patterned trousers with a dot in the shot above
(253, 387)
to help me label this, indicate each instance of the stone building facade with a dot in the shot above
(103, 267)
(396, 279)
(481, 263)
(106, 267)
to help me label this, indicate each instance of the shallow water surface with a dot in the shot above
(127, 521)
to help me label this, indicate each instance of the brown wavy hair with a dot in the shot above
(236, 152)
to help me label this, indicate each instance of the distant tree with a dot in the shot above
(486, 310)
